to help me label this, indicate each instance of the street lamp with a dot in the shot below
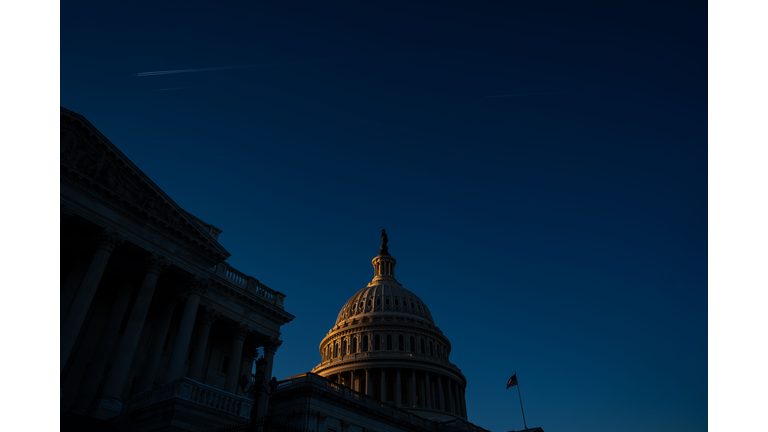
(257, 388)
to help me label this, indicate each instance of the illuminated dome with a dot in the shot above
(390, 299)
(385, 345)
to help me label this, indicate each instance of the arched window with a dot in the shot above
(430, 349)
(412, 345)
(354, 344)
(335, 350)
(389, 342)
(376, 343)
(423, 351)
(365, 343)
(400, 343)
(343, 347)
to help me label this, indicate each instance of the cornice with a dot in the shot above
(91, 163)
(404, 362)
(250, 301)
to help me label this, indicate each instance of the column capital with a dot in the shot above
(66, 214)
(198, 285)
(241, 330)
(109, 240)
(272, 344)
(156, 263)
(208, 315)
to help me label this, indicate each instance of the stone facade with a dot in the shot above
(156, 327)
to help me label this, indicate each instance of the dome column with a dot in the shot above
(412, 395)
(451, 398)
(428, 392)
(398, 390)
(383, 386)
(440, 395)
(368, 382)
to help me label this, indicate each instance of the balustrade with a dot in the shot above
(195, 392)
(248, 283)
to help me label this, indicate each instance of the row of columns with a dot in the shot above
(438, 349)
(419, 389)
(90, 363)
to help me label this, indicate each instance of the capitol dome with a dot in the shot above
(385, 345)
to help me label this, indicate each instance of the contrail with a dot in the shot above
(218, 68)
(175, 88)
(523, 94)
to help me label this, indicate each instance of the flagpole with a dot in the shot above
(521, 401)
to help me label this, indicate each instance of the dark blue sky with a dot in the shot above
(540, 168)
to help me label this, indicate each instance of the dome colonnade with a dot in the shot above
(386, 345)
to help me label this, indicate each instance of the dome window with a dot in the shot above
(387, 301)
(369, 302)
(377, 343)
(378, 302)
(389, 342)
(413, 344)
(411, 305)
(400, 343)
(362, 304)
(397, 303)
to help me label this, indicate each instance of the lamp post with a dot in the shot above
(257, 388)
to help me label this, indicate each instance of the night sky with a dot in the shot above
(540, 169)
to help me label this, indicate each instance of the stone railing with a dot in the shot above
(248, 283)
(319, 383)
(195, 392)
(459, 425)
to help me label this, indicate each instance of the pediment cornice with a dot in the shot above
(91, 162)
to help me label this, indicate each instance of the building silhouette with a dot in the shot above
(157, 330)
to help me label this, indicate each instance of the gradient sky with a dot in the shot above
(540, 168)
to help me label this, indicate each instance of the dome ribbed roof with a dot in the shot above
(384, 299)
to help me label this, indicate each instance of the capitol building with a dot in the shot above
(160, 333)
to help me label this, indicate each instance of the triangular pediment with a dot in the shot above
(91, 161)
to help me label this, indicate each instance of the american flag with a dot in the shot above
(512, 381)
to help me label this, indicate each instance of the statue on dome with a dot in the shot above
(384, 249)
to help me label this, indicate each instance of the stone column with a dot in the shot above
(422, 394)
(69, 288)
(108, 241)
(230, 385)
(110, 404)
(152, 361)
(92, 332)
(412, 395)
(428, 399)
(181, 346)
(352, 380)
(270, 348)
(367, 381)
(398, 390)
(98, 363)
(196, 365)
(440, 395)
(383, 386)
